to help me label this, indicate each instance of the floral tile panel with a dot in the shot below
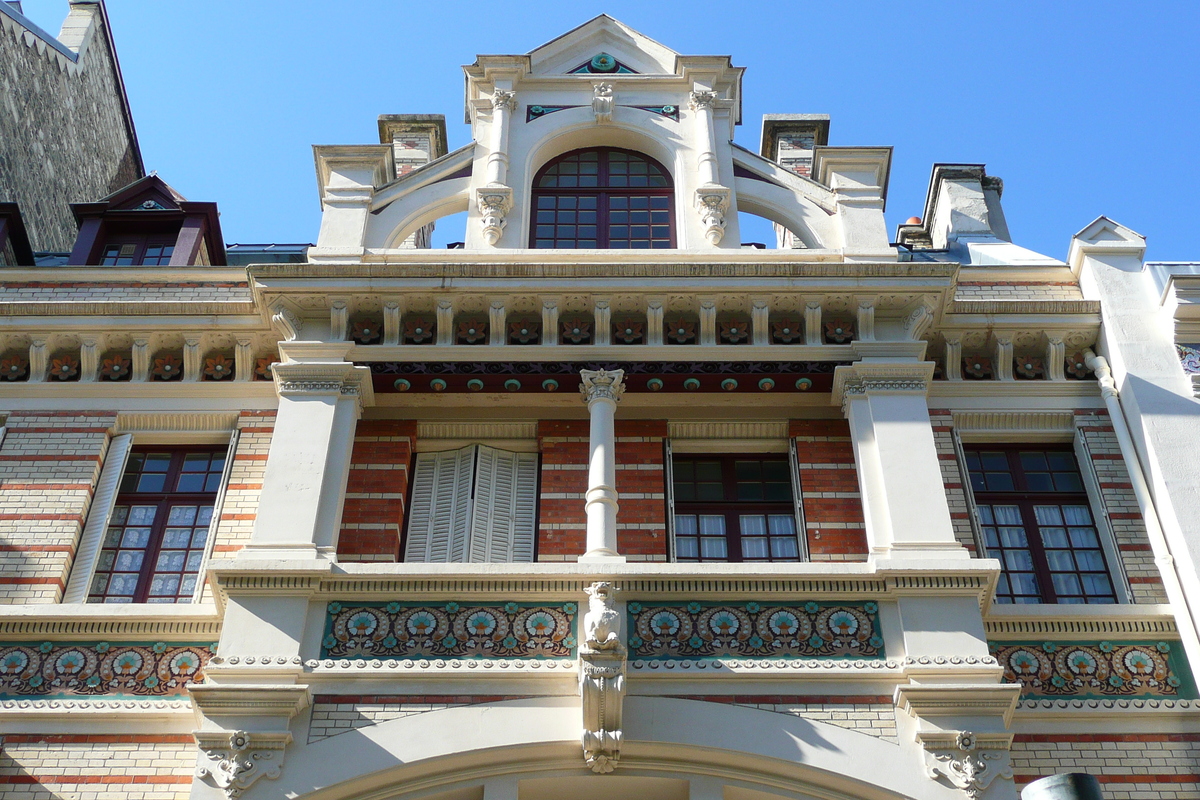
(1097, 669)
(449, 630)
(61, 669)
(754, 630)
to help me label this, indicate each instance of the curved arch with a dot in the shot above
(796, 213)
(396, 221)
(539, 737)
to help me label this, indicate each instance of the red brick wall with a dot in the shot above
(562, 525)
(376, 491)
(833, 513)
(642, 518)
(641, 486)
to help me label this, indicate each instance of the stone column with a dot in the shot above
(712, 199)
(602, 389)
(320, 399)
(899, 474)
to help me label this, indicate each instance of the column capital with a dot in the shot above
(875, 377)
(311, 373)
(602, 385)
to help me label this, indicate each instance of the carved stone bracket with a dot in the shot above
(285, 322)
(233, 760)
(602, 101)
(494, 203)
(712, 202)
(504, 99)
(968, 761)
(602, 665)
(701, 99)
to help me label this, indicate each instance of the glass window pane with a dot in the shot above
(755, 525)
(755, 547)
(1007, 515)
(151, 482)
(1059, 561)
(181, 515)
(1055, 537)
(713, 548)
(1066, 584)
(712, 525)
(782, 524)
(686, 547)
(685, 525)
(1077, 515)
(1048, 515)
(784, 548)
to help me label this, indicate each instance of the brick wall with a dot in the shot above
(49, 464)
(97, 767)
(562, 525)
(245, 482)
(874, 715)
(334, 714)
(1141, 766)
(1116, 489)
(833, 515)
(642, 517)
(376, 491)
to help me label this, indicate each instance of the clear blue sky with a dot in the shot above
(1083, 108)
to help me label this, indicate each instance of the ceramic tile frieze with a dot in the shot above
(1189, 357)
(59, 669)
(754, 630)
(1096, 669)
(450, 630)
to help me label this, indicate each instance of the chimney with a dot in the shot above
(790, 139)
(416, 139)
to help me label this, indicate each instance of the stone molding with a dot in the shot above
(1014, 422)
(715, 429)
(113, 627)
(179, 422)
(324, 377)
(1145, 623)
(253, 700)
(942, 700)
(874, 377)
(476, 430)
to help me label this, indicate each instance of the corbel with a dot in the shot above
(654, 323)
(549, 322)
(1056, 358)
(602, 666)
(812, 323)
(39, 360)
(140, 358)
(1003, 363)
(243, 360)
(391, 322)
(866, 320)
(602, 331)
(708, 322)
(191, 357)
(497, 323)
(339, 321)
(760, 315)
(89, 359)
(233, 761)
(445, 322)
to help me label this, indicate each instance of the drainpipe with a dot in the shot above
(1141, 489)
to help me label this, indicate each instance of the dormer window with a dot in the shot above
(603, 198)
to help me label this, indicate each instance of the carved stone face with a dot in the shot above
(601, 591)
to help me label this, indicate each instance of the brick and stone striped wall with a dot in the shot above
(1130, 766)
(952, 478)
(874, 715)
(833, 515)
(376, 491)
(49, 464)
(97, 767)
(562, 525)
(245, 482)
(334, 714)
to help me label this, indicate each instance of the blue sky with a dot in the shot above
(1083, 108)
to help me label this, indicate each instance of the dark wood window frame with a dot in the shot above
(163, 501)
(732, 509)
(602, 196)
(1027, 499)
(141, 244)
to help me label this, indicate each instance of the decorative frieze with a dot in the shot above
(65, 669)
(753, 630)
(451, 630)
(1096, 669)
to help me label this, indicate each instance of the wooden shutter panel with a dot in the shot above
(97, 520)
(503, 519)
(441, 507)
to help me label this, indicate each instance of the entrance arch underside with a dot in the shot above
(673, 749)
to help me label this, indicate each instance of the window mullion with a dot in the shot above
(1037, 550)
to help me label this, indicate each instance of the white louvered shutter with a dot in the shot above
(441, 507)
(503, 519)
(97, 520)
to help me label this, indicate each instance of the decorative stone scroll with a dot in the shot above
(233, 760)
(1096, 669)
(712, 203)
(752, 630)
(452, 630)
(494, 203)
(967, 760)
(61, 669)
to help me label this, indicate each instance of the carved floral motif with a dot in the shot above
(680, 331)
(235, 764)
(418, 331)
(734, 332)
(577, 331)
(977, 366)
(59, 669)
(115, 369)
(839, 331)
(262, 368)
(754, 630)
(786, 331)
(524, 332)
(472, 331)
(366, 331)
(1028, 367)
(1189, 358)
(452, 630)
(167, 368)
(14, 368)
(1103, 669)
(967, 763)
(218, 368)
(64, 368)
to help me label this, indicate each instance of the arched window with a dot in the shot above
(603, 197)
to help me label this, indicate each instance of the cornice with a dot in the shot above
(477, 430)
(946, 699)
(1055, 307)
(130, 308)
(177, 422)
(85, 621)
(250, 699)
(996, 390)
(1014, 422)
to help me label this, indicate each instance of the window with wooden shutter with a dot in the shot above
(477, 504)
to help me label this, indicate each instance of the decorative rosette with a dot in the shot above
(680, 331)
(523, 332)
(262, 368)
(786, 331)
(115, 369)
(365, 331)
(167, 368)
(977, 366)
(64, 368)
(577, 331)
(418, 331)
(1028, 367)
(628, 331)
(472, 331)
(1076, 365)
(14, 368)
(839, 331)
(735, 331)
(218, 368)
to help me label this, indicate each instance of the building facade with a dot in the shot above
(600, 503)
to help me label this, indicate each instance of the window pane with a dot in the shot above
(754, 548)
(713, 548)
(712, 525)
(753, 525)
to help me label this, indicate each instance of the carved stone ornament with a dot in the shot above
(713, 202)
(602, 385)
(701, 99)
(602, 101)
(285, 322)
(494, 203)
(968, 761)
(602, 663)
(504, 99)
(233, 760)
